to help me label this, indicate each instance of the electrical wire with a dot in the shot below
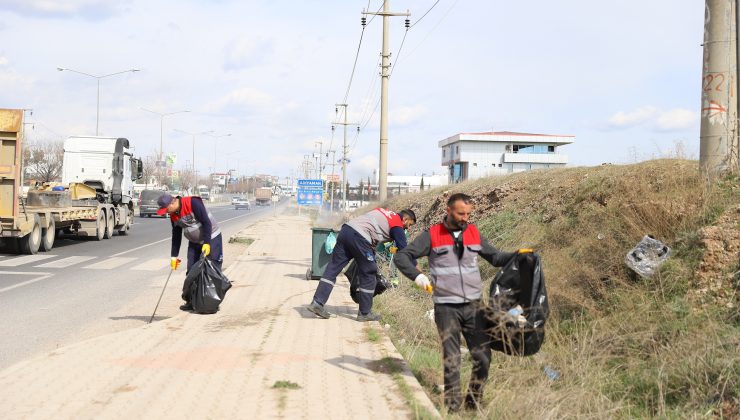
(433, 28)
(357, 55)
(425, 13)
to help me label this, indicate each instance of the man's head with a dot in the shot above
(167, 204)
(459, 207)
(408, 217)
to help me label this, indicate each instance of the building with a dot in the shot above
(477, 155)
(412, 183)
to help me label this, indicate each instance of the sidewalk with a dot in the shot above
(227, 365)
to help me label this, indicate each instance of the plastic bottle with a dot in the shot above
(551, 373)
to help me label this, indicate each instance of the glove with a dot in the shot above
(206, 249)
(524, 251)
(174, 263)
(423, 283)
(393, 249)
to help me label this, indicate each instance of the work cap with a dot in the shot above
(163, 201)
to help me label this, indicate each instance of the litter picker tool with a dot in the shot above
(160, 296)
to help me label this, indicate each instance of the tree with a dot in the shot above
(149, 170)
(421, 185)
(43, 161)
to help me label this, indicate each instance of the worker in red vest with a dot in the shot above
(191, 219)
(357, 240)
(453, 247)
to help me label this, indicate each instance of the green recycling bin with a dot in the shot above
(319, 257)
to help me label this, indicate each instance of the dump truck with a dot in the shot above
(263, 196)
(94, 198)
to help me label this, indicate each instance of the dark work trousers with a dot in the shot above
(350, 245)
(216, 256)
(468, 319)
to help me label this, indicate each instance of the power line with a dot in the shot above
(425, 13)
(433, 28)
(357, 55)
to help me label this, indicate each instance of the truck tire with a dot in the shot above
(30, 243)
(100, 226)
(48, 235)
(108, 224)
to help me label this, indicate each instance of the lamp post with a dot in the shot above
(97, 115)
(161, 128)
(194, 134)
(215, 152)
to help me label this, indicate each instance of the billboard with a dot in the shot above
(310, 192)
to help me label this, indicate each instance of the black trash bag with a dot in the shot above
(518, 307)
(205, 287)
(353, 275)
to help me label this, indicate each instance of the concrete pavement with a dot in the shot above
(263, 355)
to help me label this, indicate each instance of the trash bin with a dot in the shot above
(319, 257)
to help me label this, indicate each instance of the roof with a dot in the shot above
(510, 137)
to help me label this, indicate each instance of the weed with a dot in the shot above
(285, 385)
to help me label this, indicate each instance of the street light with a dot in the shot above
(215, 148)
(194, 134)
(161, 127)
(97, 115)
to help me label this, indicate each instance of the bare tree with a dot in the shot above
(149, 169)
(187, 179)
(42, 161)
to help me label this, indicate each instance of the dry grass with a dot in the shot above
(625, 347)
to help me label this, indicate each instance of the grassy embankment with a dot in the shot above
(625, 347)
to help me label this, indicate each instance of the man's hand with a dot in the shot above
(174, 263)
(423, 283)
(206, 249)
(524, 251)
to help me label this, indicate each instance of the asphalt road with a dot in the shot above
(84, 288)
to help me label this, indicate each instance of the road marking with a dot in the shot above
(109, 263)
(154, 264)
(167, 239)
(66, 262)
(15, 262)
(42, 276)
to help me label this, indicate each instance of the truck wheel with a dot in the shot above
(109, 225)
(30, 243)
(48, 235)
(100, 226)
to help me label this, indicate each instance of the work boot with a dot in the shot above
(319, 310)
(372, 316)
(187, 306)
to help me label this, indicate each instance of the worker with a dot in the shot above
(190, 217)
(453, 247)
(357, 240)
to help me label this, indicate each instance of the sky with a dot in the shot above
(263, 77)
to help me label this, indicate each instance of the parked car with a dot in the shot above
(148, 202)
(242, 203)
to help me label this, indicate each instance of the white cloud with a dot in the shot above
(653, 119)
(88, 9)
(3, 61)
(246, 97)
(676, 119)
(243, 53)
(630, 119)
(407, 114)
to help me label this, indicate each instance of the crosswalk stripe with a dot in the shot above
(66, 262)
(26, 259)
(155, 264)
(110, 263)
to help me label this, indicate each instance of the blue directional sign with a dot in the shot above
(310, 192)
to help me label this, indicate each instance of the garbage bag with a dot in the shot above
(205, 287)
(647, 256)
(518, 307)
(330, 243)
(353, 275)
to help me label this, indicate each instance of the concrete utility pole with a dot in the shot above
(344, 153)
(385, 74)
(333, 164)
(719, 150)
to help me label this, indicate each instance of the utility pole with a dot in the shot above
(385, 75)
(333, 164)
(719, 150)
(345, 150)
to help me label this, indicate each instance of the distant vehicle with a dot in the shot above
(204, 192)
(234, 199)
(263, 196)
(148, 202)
(242, 203)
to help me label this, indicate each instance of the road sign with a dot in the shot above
(332, 178)
(310, 192)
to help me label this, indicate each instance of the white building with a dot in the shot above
(477, 155)
(412, 183)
